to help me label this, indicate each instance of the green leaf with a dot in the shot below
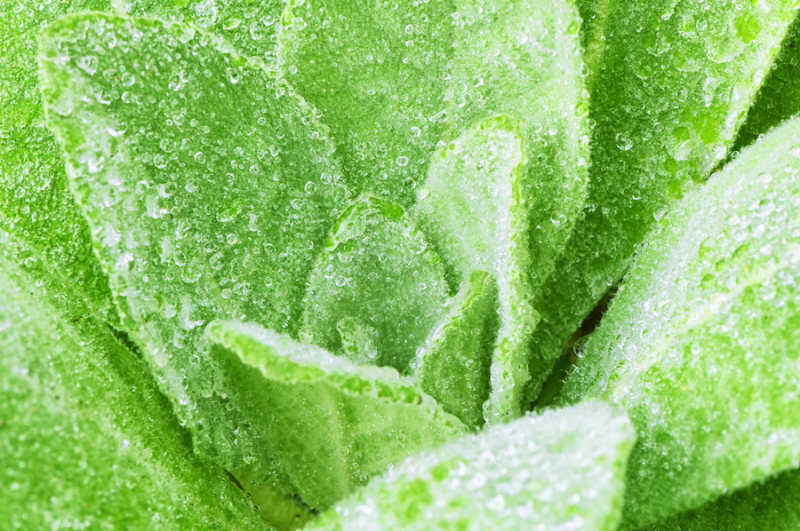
(700, 345)
(377, 273)
(36, 204)
(208, 189)
(377, 73)
(779, 97)
(330, 425)
(673, 84)
(770, 505)
(453, 365)
(559, 470)
(474, 208)
(523, 60)
(251, 27)
(86, 439)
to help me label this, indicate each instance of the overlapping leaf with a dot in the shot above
(86, 439)
(330, 425)
(377, 72)
(701, 344)
(207, 187)
(560, 470)
(378, 279)
(453, 365)
(395, 84)
(36, 204)
(779, 97)
(483, 176)
(672, 85)
(770, 505)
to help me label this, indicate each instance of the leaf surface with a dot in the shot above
(251, 27)
(208, 189)
(779, 97)
(331, 425)
(86, 438)
(474, 208)
(379, 276)
(559, 470)
(36, 204)
(453, 365)
(669, 93)
(377, 72)
(769, 505)
(700, 345)
(523, 60)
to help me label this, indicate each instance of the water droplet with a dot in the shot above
(402, 161)
(340, 281)
(206, 13)
(128, 79)
(199, 157)
(88, 64)
(623, 142)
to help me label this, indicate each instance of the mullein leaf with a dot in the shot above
(332, 424)
(700, 344)
(208, 189)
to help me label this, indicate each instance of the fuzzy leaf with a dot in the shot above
(700, 345)
(523, 60)
(673, 84)
(770, 505)
(86, 439)
(779, 97)
(559, 470)
(36, 204)
(482, 176)
(251, 27)
(377, 274)
(453, 365)
(331, 425)
(378, 76)
(208, 189)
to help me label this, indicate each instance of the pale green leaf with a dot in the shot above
(474, 209)
(378, 274)
(86, 439)
(454, 363)
(36, 204)
(771, 505)
(208, 190)
(559, 470)
(673, 84)
(377, 71)
(523, 60)
(330, 425)
(700, 345)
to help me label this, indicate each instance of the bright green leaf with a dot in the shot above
(559, 470)
(330, 425)
(376, 275)
(453, 365)
(771, 505)
(779, 97)
(474, 209)
(523, 60)
(377, 72)
(251, 27)
(86, 439)
(208, 189)
(700, 345)
(36, 204)
(673, 84)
